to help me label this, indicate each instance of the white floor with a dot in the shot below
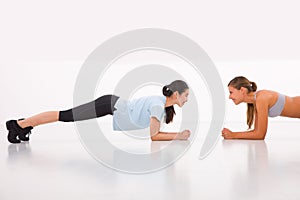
(54, 165)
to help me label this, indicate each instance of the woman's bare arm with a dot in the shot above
(260, 125)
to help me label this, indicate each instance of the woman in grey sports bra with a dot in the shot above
(261, 105)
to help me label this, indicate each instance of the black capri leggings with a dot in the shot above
(104, 105)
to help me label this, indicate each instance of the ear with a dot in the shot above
(244, 90)
(176, 94)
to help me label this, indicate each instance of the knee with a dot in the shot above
(66, 116)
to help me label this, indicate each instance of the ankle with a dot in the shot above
(22, 123)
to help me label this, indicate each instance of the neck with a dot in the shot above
(169, 102)
(250, 98)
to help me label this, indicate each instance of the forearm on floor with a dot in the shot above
(164, 136)
(250, 135)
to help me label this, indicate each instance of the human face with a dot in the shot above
(182, 98)
(235, 95)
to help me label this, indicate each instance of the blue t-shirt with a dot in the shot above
(136, 114)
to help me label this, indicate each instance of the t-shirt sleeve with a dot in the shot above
(157, 112)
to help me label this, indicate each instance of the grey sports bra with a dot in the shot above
(277, 108)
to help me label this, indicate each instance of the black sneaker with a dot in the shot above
(25, 132)
(17, 133)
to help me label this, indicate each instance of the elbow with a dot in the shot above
(155, 137)
(262, 137)
(259, 136)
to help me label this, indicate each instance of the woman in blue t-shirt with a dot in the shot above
(136, 114)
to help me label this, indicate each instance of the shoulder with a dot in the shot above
(266, 94)
(265, 97)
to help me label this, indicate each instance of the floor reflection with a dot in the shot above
(160, 154)
(248, 165)
(21, 148)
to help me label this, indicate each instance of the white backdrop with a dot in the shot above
(43, 44)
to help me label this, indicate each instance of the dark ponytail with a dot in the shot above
(167, 91)
(239, 82)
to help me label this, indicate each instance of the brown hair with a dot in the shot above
(238, 83)
(167, 91)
